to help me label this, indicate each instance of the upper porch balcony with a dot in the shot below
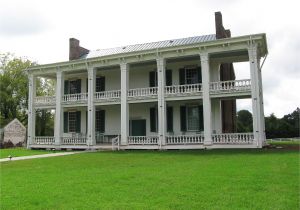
(238, 88)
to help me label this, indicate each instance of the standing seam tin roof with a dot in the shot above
(149, 46)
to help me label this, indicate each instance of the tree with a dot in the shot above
(244, 121)
(13, 88)
(14, 94)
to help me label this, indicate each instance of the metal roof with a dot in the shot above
(149, 46)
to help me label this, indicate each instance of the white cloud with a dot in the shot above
(41, 30)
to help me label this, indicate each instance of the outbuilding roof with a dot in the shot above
(149, 46)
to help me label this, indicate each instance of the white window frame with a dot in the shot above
(187, 118)
(71, 130)
(70, 86)
(186, 69)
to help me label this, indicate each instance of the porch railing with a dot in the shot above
(111, 94)
(183, 89)
(141, 140)
(115, 143)
(74, 140)
(75, 97)
(45, 100)
(142, 92)
(185, 139)
(233, 138)
(45, 140)
(232, 85)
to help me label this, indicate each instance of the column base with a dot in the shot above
(207, 142)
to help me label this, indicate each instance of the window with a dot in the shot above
(191, 76)
(73, 85)
(72, 121)
(192, 118)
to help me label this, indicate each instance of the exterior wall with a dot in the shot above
(112, 78)
(112, 119)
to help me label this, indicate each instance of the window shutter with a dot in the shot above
(102, 121)
(152, 75)
(170, 119)
(87, 85)
(199, 74)
(168, 77)
(182, 76)
(66, 87)
(86, 121)
(201, 126)
(183, 118)
(66, 122)
(102, 84)
(78, 86)
(153, 119)
(78, 121)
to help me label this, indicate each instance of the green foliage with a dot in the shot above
(14, 93)
(213, 179)
(286, 127)
(13, 88)
(244, 121)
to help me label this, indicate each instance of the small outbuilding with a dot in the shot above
(15, 132)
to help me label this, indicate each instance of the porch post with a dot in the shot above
(257, 98)
(161, 69)
(206, 98)
(124, 103)
(31, 110)
(91, 140)
(58, 125)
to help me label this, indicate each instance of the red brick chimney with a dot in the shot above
(75, 51)
(221, 32)
(228, 107)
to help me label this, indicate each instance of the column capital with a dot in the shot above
(124, 66)
(204, 56)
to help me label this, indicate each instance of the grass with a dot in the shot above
(284, 142)
(19, 151)
(202, 179)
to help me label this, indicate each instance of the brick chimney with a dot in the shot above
(75, 51)
(221, 32)
(228, 109)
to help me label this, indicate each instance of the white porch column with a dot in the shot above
(91, 140)
(256, 94)
(206, 98)
(124, 103)
(161, 66)
(31, 110)
(58, 125)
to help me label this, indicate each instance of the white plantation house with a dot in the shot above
(174, 94)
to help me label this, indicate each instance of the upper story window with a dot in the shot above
(191, 76)
(72, 86)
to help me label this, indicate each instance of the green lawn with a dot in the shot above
(211, 179)
(284, 142)
(19, 151)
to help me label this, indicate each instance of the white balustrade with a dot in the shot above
(183, 89)
(233, 138)
(142, 140)
(232, 85)
(45, 100)
(111, 94)
(142, 92)
(75, 97)
(185, 139)
(74, 140)
(45, 140)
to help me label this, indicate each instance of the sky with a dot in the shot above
(39, 30)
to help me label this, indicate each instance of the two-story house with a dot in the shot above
(173, 94)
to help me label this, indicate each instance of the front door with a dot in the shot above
(137, 127)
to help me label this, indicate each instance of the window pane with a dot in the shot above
(73, 87)
(72, 121)
(191, 76)
(193, 118)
